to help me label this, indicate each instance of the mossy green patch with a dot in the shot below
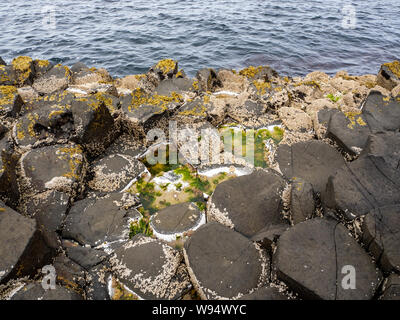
(258, 149)
(142, 226)
(333, 98)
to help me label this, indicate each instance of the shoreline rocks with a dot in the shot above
(79, 191)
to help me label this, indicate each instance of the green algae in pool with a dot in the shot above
(239, 137)
(189, 187)
(141, 226)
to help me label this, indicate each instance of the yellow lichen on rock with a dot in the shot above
(195, 85)
(43, 63)
(166, 65)
(106, 100)
(312, 83)
(32, 121)
(250, 72)
(394, 67)
(8, 94)
(261, 86)
(141, 98)
(4, 75)
(355, 117)
(73, 155)
(22, 65)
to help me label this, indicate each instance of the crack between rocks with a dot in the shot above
(383, 174)
(362, 189)
(336, 261)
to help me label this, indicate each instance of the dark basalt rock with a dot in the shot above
(381, 113)
(35, 291)
(391, 288)
(96, 288)
(177, 85)
(265, 293)
(142, 110)
(223, 264)
(249, 110)
(41, 67)
(7, 76)
(57, 167)
(270, 234)
(56, 101)
(94, 126)
(70, 274)
(56, 79)
(197, 108)
(3, 130)
(313, 161)
(371, 181)
(302, 203)
(2, 62)
(46, 120)
(95, 263)
(49, 209)
(230, 203)
(115, 172)
(207, 80)
(126, 145)
(8, 178)
(176, 219)
(19, 73)
(78, 66)
(349, 132)
(22, 248)
(148, 268)
(381, 235)
(389, 75)
(310, 258)
(95, 221)
(165, 69)
(86, 257)
(265, 73)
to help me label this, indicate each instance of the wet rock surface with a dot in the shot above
(79, 192)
